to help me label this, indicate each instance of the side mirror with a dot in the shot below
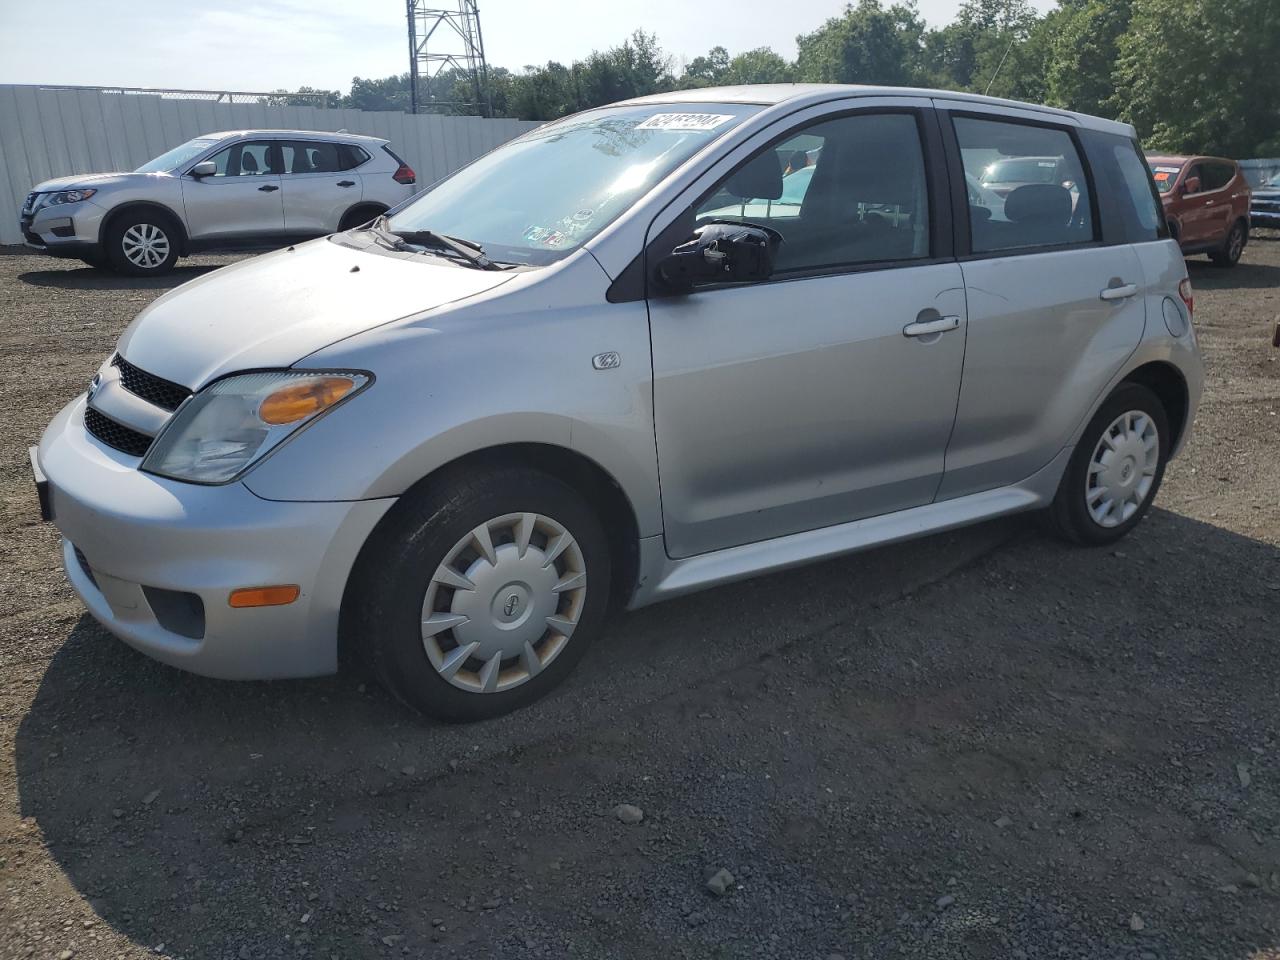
(721, 252)
(1192, 185)
(205, 168)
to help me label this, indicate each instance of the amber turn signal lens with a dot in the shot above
(297, 401)
(263, 596)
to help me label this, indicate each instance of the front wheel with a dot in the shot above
(1115, 471)
(1232, 249)
(142, 244)
(478, 594)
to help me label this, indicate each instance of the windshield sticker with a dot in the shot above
(685, 121)
(1160, 169)
(545, 235)
(1162, 176)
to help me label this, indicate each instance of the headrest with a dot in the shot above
(1038, 201)
(760, 179)
(248, 162)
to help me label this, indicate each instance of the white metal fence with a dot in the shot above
(48, 133)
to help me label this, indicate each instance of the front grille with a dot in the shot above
(115, 434)
(163, 393)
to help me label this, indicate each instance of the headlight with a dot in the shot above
(235, 422)
(69, 196)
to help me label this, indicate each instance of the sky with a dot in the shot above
(274, 44)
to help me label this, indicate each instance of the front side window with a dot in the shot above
(172, 159)
(251, 159)
(841, 192)
(1216, 175)
(1038, 179)
(543, 195)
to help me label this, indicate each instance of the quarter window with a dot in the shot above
(841, 192)
(1137, 182)
(1033, 182)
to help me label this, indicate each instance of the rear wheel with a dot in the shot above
(1115, 471)
(142, 243)
(477, 595)
(1232, 249)
(358, 215)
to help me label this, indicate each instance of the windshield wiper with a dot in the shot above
(470, 252)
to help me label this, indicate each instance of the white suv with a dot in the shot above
(233, 190)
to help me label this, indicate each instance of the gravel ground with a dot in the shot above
(980, 745)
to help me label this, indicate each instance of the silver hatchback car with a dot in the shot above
(235, 190)
(619, 359)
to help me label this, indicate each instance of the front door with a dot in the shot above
(242, 200)
(828, 393)
(1053, 314)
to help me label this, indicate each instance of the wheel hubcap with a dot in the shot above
(504, 602)
(1237, 243)
(1122, 469)
(145, 245)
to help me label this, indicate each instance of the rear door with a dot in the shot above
(241, 200)
(827, 393)
(320, 185)
(1053, 309)
(1219, 198)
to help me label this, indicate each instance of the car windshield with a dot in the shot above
(1165, 175)
(177, 156)
(1022, 170)
(538, 198)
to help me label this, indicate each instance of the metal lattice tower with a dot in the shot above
(446, 38)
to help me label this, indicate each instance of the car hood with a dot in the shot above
(88, 180)
(275, 309)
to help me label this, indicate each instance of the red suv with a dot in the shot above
(1206, 201)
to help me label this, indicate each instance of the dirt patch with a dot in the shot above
(981, 745)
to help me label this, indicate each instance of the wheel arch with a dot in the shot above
(132, 205)
(1167, 382)
(614, 507)
(372, 207)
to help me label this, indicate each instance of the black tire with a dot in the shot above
(358, 215)
(1069, 516)
(153, 224)
(1232, 248)
(397, 565)
(95, 260)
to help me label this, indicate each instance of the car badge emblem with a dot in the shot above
(509, 608)
(94, 384)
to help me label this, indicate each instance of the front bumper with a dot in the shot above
(68, 229)
(154, 560)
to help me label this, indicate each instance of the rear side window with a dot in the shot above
(1143, 204)
(1031, 182)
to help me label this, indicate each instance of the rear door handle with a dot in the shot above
(268, 188)
(346, 183)
(923, 328)
(1119, 293)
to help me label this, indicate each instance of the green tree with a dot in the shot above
(1202, 76)
(760, 65)
(304, 97)
(1083, 43)
(992, 46)
(868, 43)
(708, 71)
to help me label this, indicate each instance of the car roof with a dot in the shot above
(1174, 158)
(804, 94)
(293, 134)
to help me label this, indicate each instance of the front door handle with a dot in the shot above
(346, 183)
(268, 188)
(1121, 292)
(923, 328)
